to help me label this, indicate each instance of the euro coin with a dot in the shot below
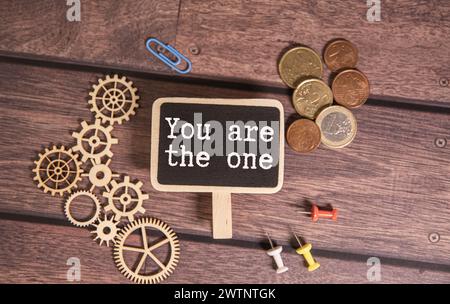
(303, 135)
(340, 54)
(350, 88)
(337, 126)
(299, 63)
(311, 96)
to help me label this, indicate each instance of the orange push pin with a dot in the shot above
(305, 250)
(317, 213)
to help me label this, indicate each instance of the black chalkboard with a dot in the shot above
(244, 140)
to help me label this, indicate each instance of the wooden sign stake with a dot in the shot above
(221, 215)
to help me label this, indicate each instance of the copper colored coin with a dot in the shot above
(303, 135)
(340, 54)
(350, 88)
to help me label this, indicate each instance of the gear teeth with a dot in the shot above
(106, 84)
(127, 271)
(90, 153)
(51, 155)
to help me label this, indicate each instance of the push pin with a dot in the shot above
(276, 254)
(305, 250)
(317, 213)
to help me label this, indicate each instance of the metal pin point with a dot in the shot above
(317, 213)
(275, 252)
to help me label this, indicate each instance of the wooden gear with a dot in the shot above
(165, 269)
(106, 230)
(57, 170)
(100, 175)
(92, 219)
(130, 199)
(94, 141)
(113, 100)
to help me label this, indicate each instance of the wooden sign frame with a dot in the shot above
(222, 220)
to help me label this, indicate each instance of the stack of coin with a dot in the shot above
(301, 68)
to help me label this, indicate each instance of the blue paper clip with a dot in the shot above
(169, 62)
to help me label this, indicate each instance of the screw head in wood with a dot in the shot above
(194, 50)
(434, 237)
(444, 82)
(440, 142)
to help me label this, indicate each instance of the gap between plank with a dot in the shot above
(256, 244)
(431, 106)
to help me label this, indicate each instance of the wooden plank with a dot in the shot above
(109, 33)
(34, 252)
(390, 185)
(241, 41)
(404, 55)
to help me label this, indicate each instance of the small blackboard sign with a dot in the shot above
(221, 146)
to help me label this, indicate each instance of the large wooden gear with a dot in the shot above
(135, 273)
(57, 170)
(113, 99)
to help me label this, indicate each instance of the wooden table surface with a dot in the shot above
(391, 185)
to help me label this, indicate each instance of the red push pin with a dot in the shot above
(317, 213)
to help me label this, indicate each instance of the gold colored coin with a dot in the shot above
(299, 63)
(351, 88)
(311, 96)
(340, 54)
(303, 135)
(337, 125)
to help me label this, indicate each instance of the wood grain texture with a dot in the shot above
(404, 56)
(33, 253)
(391, 185)
(110, 33)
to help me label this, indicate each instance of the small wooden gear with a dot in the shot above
(57, 170)
(135, 273)
(113, 99)
(77, 222)
(125, 199)
(100, 175)
(106, 230)
(94, 141)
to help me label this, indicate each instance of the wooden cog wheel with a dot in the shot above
(146, 251)
(94, 141)
(113, 99)
(57, 170)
